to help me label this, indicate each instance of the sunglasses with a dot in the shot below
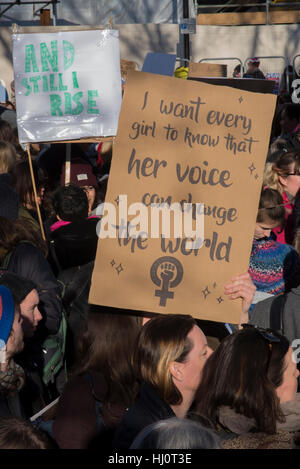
(293, 174)
(267, 334)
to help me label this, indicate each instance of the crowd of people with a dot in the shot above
(76, 376)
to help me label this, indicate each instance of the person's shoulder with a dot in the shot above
(26, 248)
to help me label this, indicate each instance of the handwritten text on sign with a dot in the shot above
(62, 93)
(183, 142)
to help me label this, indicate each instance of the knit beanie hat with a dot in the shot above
(273, 266)
(7, 314)
(19, 286)
(81, 174)
(9, 202)
(254, 60)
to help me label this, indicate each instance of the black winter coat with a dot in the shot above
(28, 261)
(149, 408)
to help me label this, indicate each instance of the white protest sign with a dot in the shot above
(67, 84)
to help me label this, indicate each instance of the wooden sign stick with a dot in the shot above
(68, 164)
(35, 193)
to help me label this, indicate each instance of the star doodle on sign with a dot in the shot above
(220, 299)
(252, 168)
(112, 263)
(119, 269)
(256, 176)
(206, 292)
(214, 285)
(241, 100)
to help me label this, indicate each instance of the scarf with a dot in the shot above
(12, 380)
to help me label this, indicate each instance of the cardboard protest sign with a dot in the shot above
(207, 70)
(181, 142)
(67, 84)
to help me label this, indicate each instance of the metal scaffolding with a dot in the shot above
(44, 4)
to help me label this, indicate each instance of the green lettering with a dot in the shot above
(52, 79)
(45, 83)
(61, 86)
(35, 80)
(68, 103)
(55, 103)
(47, 57)
(69, 54)
(79, 108)
(92, 103)
(26, 85)
(30, 58)
(75, 81)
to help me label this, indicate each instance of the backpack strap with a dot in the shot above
(276, 313)
(6, 260)
(89, 379)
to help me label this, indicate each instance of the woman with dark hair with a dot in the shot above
(22, 251)
(22, 182)
(102, 384)
(5, 131)
(274, 267)
(250, 384)
(289, 120)
(170, 354)
(284, 176)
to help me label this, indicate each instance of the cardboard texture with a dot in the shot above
(204, 144)
(203, 69)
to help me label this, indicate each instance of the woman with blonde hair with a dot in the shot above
(284, 176)
(170, 355)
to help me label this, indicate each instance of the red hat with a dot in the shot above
(254, 60)
(81, 174)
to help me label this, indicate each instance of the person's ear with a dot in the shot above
(282, 180)
(176, 370)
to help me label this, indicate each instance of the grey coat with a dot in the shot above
(260, 315)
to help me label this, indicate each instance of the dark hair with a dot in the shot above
(176, 433)
(243, 373)
(22, 182)
(292, 111)
(106, 344)
(13, 232)
(271, 207)
(21, 434)
(19, 286)
(163, 340)
(5, 131)
(70, 203)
